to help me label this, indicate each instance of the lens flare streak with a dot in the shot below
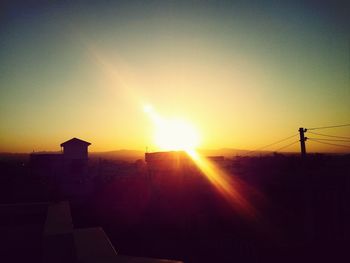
(177, 136)
(229, 187)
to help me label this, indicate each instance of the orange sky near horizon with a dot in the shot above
(243, 75)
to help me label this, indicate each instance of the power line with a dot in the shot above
(340, 145)
(335, 140)
(327, 127)
(286, 146)
(271, 144)
(327, 135)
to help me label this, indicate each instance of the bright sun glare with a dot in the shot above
(173, 134)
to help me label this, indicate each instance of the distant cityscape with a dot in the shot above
(164, 201)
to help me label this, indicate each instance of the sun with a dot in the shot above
(179, 135)
(173, 134)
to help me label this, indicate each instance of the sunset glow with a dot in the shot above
(178, 135)
(172, 134)
(246, 77)
(176, 131)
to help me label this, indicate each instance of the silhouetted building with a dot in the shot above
(46, 164)
(66, 171)
(72, 160)
(75, 156)
(75, 149)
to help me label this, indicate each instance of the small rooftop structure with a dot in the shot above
(75, 149)
(75, 141)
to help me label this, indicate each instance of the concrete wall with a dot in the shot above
(75, 151)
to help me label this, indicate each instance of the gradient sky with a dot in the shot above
(245, 74)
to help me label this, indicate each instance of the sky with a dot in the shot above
(244, 73)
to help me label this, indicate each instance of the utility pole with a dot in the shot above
(302, 141)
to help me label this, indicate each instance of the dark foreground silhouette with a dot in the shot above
(302, 208)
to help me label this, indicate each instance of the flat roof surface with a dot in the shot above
(58, 220)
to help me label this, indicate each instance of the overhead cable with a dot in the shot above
(327, 135)
(328, 127)
(271, 144)
(334, 144)
(286, 146)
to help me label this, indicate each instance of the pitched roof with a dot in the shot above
(75, 141)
